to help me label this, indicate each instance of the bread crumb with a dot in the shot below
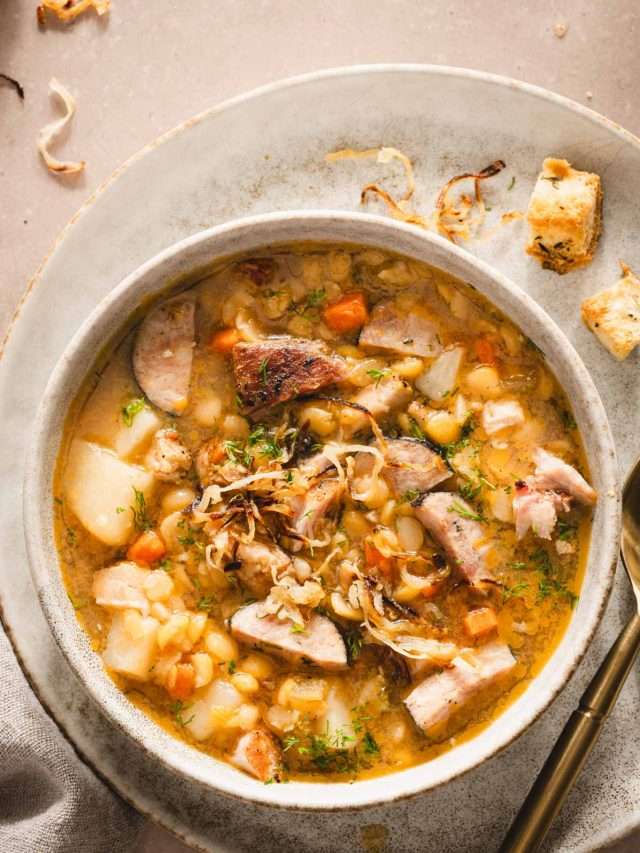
(560, 29)
(613, 315)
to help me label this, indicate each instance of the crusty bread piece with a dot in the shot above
(614, 314)
(564, 216)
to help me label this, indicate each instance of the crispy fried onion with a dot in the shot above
(400, 209)
(455, 219)
(395, 634)
(50, 132)
(68, 10)
(287, 596)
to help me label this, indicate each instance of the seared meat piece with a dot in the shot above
(553, 473)
(439, 696)
(320, 643)
(501, 415)
(446, 516)
(257, 559)
(278, 369)
(537, 510)
(309, 509)
(380, 399)
(163, 354)
(213, 466)
(168, 459)
(314, 465)
(411, 465)
(258, 754)
(403, 332)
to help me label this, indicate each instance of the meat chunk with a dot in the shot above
(120, 587)
(278, 369)
(613, 315)
(258, 754)
(214, 466)
(450, 520)
(380, 399)
(311, 508)
(500, 415)
(163, 354)
(314, 466)
(409, 333)
(319, 644)
(434, 700)
(537, 510)
(168, 458)
(564, 216)
(257, 561)
(552, 473)
(412, 466)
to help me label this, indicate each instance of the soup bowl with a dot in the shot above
(178, 265)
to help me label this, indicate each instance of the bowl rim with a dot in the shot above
(49, 584)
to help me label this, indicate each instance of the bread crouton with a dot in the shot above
(613, 315)
(564, 216)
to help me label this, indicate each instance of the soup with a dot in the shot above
(323, 513)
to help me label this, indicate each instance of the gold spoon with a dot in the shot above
(583, 727)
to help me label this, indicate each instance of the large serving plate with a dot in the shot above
(265, 152)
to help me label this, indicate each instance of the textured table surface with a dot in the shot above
(148, 66)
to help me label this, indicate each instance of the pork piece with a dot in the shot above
(553, 473)
(212, 468)
(257, 560)
(537, 510)
(258, 754)
(439, 696)
(319, 644)
(445, 516)
(314, 466)
(168, 458)
(411, 465)
(389, 328)
(121, 587)
(278, 369)
(163, 354)
(309, 509)
(500, 415)
(380, 399)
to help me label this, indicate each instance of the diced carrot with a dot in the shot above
(217, 454)
(485, 351)
(180, 681)
(148, 548)
(224, 340)
(480, 622)
(432, 590)
(376, 560)
(348, 313)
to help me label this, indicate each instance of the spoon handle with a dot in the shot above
(572, 748)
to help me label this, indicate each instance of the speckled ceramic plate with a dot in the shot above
(217, 167)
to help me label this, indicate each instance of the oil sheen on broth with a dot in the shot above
(323, 513)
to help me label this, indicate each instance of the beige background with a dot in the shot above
(151, 64)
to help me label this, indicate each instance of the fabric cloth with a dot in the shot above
(50, 802)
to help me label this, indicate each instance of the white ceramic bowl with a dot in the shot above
(195, 253)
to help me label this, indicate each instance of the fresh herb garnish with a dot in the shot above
(119, 509)
(316, 297)
(177, 709)
(370, 745)
(469, 491)
(263, 371)
(512, 183)
(297, 629)
(231, 667)
(132, 408)
(409, 496)
(205, 603)
(463, 512)
(377, 374)
(139, 509)
(566, 530)
(415, 430)
(353, 642)
(236, 453)
(514, 591)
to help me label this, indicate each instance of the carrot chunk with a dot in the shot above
(480, 622)
(376, 560)
(347, 314)
(180, 681)
(224, 340)
(148, 548)
(485, 351)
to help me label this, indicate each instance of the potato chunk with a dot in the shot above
(564, 216)
(99, 489)
(613, 315)
(131, 644)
